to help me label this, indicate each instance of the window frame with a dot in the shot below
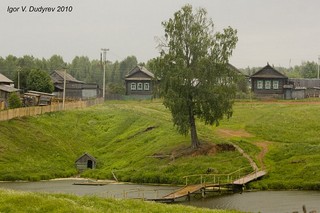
(146, 86)
(275, 82)
(140, 86)
(267, 84)
(133, 86)
(259, 84)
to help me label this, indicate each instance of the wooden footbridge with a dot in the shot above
(217, 183)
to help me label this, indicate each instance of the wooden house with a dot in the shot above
(6, 88)
(85, 161)
(75, 89)
(139, 81)
(268, 83)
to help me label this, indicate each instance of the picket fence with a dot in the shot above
(38, 110)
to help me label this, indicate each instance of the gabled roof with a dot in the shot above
(86, 154)
(59, 77)
(130, 75)
(268, 72)
(4, 79)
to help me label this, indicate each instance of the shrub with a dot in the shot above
(14, 101)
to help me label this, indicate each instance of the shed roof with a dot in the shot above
(142, 69)
(36, 93)
(86, 154)
(305, 82)
(8, 89)
(268, 72)
(59, 77)
(4, 79)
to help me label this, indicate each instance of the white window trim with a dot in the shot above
(260, 84)
(275, 84)
(140, 86)
(133, 86)
(267, 84)
(146, 86)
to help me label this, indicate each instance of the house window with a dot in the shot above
(146, 86)
(133, 86)
(140, 87)
(260, 84)
(267, 84)
(275, 85)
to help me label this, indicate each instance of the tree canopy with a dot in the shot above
(40, 81)
(196, 80)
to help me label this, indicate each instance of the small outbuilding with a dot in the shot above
(85, 161)
(35, 98)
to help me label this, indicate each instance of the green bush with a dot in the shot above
(14, 101)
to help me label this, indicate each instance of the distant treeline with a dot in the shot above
(91, 71)
(81, 67)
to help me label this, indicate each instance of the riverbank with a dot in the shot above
(14, 201)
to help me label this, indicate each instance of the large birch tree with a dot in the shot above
(195, 79)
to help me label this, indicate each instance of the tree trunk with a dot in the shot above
(193, 130)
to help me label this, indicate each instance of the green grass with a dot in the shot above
(293, 158)
(116, 134)
(13, 201)
(46, 146)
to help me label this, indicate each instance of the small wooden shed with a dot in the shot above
(86, 161)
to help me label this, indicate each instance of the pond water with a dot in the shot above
(262, 201)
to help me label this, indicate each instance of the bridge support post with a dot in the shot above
(203, 192)
(188, 196)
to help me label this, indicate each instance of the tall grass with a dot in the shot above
(12, 201)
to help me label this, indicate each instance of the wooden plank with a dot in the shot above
(183, 191)
(248, 178)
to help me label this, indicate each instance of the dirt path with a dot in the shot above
(263, 145)
(227, 133)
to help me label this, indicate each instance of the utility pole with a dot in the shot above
(19, 69)
(64, 88)
(104, 52)
(318, 64)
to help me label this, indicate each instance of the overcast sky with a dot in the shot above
(281, 32)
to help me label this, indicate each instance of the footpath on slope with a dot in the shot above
(263, 145)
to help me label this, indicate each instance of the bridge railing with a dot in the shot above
(217, 178)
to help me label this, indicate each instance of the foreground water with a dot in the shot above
(264, 201)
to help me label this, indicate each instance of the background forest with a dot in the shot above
(90, 71)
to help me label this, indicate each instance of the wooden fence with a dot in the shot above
(38, 110)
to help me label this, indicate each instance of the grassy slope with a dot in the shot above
(11, 201)
(293, 160)
(46, 146)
